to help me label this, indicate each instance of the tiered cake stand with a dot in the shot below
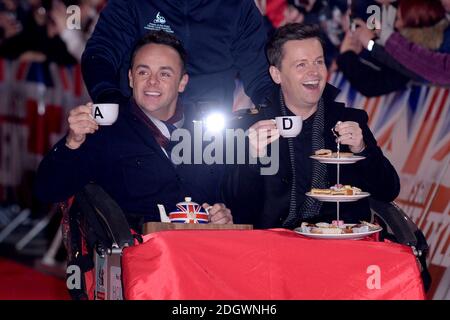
(338, 198)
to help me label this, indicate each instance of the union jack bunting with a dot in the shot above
(413, 129)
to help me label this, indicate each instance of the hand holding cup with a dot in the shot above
(289, 126)
(261, 134)
(81, 123)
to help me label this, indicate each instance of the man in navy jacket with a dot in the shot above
(130, 159)
(296, 57)
(222, 39)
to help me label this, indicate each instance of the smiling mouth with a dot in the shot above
(152, 94)
(312, 85)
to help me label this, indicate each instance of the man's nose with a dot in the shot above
(313, 70)
(153, 79)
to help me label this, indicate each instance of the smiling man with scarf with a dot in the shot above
(297, 66)
(130, 159)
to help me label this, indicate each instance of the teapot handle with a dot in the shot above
(207, 211)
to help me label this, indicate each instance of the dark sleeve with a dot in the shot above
(63, 172)
(367, 78)
(56, 51)
(242, 191)
(13, 47)
(243, 185)
(248, 52)
(378, 175)
(381, 55)
(113, 39)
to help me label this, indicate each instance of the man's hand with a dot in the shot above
(219, 213)
(351, 134)
(292, 15)
(350, 43)
(80, 123)
(32, 56)
(59, 16)
(261, 134)
(362, 33)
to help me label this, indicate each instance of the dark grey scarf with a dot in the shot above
(310, 207)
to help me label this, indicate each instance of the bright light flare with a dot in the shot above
(215, 122)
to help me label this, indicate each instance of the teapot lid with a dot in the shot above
(187, 200)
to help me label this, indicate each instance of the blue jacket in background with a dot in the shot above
(222, 39)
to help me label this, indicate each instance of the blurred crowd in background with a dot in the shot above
(35, 31)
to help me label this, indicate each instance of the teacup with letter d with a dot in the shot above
(289, 126)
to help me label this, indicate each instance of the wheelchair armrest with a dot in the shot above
(104, 213)
(405, 232)
(403, 228)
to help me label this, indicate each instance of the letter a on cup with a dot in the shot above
(97, 113)
(289, 125)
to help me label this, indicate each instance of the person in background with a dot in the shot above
(223, 39)
(12, 18)
(38, 41)
(75, 39)
(428, 56)
(419, 20)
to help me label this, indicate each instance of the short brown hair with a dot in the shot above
(291, 31)
(161, 37)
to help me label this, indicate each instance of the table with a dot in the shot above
(267, 264)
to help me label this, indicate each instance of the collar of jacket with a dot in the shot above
(141, 128)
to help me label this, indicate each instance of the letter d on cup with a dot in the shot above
(287, 123)
(289, 126)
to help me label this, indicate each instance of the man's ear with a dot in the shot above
(183, 82)
(130, 78)
(275, 74)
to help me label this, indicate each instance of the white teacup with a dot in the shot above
(105, 114)
(289, 126)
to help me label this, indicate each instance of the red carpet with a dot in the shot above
(19, 282)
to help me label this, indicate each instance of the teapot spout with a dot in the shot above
(162, 214)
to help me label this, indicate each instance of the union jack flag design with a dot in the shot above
(413, 129)
(189, 213)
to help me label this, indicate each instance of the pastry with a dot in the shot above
(320, 191)
(323, 153)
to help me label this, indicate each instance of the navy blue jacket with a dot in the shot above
(127, 162)
(264, 201)
(222, 38)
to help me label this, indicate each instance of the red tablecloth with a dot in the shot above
(267, 264)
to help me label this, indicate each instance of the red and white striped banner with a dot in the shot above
(34, 102)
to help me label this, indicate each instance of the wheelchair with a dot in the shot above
(95, 232)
